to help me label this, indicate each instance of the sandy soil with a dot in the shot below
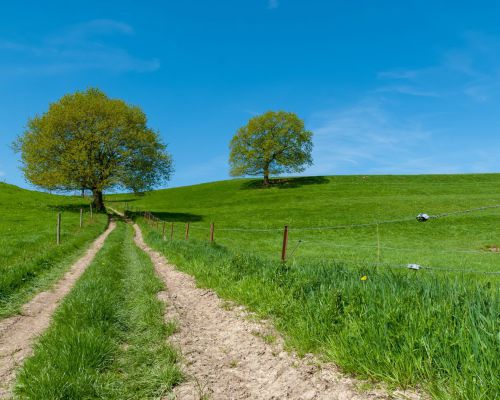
(17, 333)
(226, 354)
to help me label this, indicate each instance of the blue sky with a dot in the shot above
(397, 87)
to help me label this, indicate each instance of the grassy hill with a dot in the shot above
(322, 213)
(346, 293)
(29, 257)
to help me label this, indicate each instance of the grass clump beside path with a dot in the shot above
(407, 328)
(108, 338)
(30, 259)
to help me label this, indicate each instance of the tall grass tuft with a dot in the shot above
(406, 328)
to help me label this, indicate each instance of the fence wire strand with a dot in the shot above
(402, 249)
(343, 226)
(152, 217)
(406, 266)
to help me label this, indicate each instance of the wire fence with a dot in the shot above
(289, 250)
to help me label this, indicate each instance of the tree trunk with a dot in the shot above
(98, 202)
(266, 176)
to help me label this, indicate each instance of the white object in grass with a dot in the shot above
(422, 217)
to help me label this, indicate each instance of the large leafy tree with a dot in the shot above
(87, 140)
(271, 143)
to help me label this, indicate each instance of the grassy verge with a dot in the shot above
(108, 338)
(41, 267)
(407, 328)
(30, 260)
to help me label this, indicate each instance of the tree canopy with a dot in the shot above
(87, 140)
(271, 143)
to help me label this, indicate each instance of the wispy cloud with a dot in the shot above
(398, 74)
(367, 137)
(472, 70)
(394, 130)
(96, 27)
(408, 90)
(84, 46)
(273, 4)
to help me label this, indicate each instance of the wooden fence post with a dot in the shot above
(163, 231)
(378, 246)
(81, 217)
(172, 231)
(285, 243)
(58, 234)
(212, 228)
(187, 230)
(91, 213)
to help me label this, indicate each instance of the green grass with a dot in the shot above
(408, 330)
(108, 338)
(459, 241)
(30, 260)
(434, 329)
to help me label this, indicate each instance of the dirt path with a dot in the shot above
(226, 355)
(18, 332)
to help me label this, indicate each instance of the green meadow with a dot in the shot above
(323, 213)
(345, 292)
(30, 259)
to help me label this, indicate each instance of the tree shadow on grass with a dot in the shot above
(69, 207)
(122, 200)
(285, 183)
(171, 217)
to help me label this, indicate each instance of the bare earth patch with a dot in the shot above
(228, 355)
(17, 333)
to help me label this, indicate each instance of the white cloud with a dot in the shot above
(367, 138)
(273, 4)
(471, 71)
(398, 74)
(96, 27)
(84, 46)
(385, 133)
(409, 90)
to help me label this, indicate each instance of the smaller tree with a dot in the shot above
(271, 143)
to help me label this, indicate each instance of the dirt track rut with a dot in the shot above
(226, 357)
(18, 332)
